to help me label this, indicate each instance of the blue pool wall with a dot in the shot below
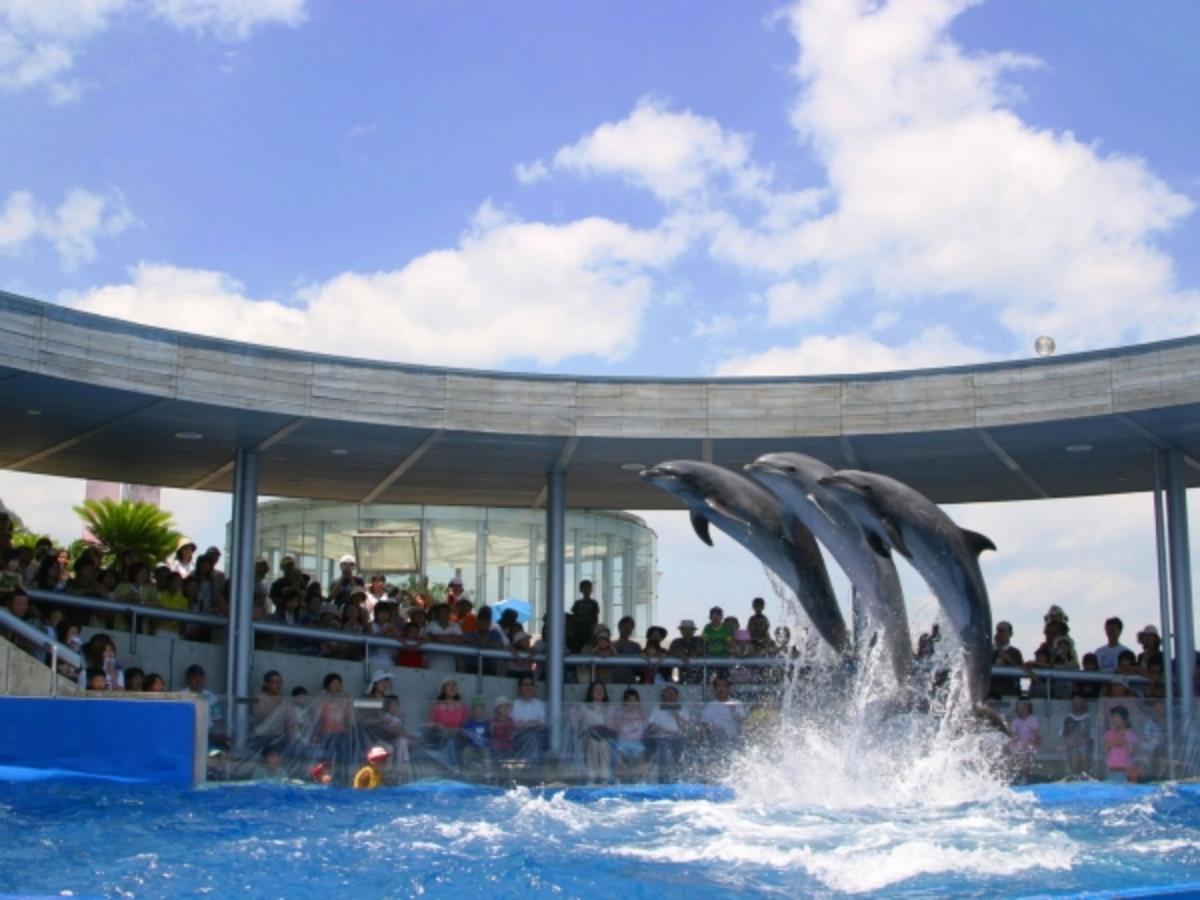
(148, 741)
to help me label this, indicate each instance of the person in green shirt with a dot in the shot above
(717, 635)
(172, 597)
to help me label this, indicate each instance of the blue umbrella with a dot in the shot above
(522, 608)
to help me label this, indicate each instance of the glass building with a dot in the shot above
(499, 553)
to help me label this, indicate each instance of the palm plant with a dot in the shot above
(118, 526)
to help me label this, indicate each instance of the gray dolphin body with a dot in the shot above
(946, 556)
(752, 516)
(793, 479)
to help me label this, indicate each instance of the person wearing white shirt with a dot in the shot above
(722, 717)
(1110, 653)
(529, 723)
(442, 631)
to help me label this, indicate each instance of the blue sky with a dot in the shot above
(677, 188)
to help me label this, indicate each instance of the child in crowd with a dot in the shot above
(95, 680)
(629, 721)
(1120, 746)
(1076, 734)
(410, 655)
(154, 684)
(1026, 738)
(299, 724)
(758, 622)
(135, 679)
(322, 772)
(270, 766)
(477, 737)
(370, 776)
(1153, 736)
(393, 731)
(502, 728)
(1090, 689)
(717, 634)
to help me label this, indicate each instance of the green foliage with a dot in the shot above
(23, 538)
(123, 525)
(435, 592)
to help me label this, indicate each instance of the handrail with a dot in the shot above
(466, 650)
(40, 639)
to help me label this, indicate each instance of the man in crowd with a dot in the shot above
(343, 586)
(625, 645)
(722, 716)
(1109, 653)
(688, 645)
(585, 616)
(197, 682)
(1005, 654)
(529, 723)
(291, 577)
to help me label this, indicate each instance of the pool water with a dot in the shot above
(87, 838)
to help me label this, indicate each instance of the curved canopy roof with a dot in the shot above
(87, 396)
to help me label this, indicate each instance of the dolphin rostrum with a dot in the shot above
(752, 516)
(946, 556)
(792, 478)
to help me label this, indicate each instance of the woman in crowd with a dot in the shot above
(51, 575)
(100, 654)
(600, 645)
(629, 723)
(655, 651)
(596, 735)
(447, 718)
(184, 560)
(171, 597)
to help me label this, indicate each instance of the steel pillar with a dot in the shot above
(556, 643)
(1181, 589)
(1164, 607)
(241, 605)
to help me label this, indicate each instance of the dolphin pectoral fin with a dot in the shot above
(875, 542)
(700, 526)
(977, 542)
(895, 538)
(812, 498)
(722, 510)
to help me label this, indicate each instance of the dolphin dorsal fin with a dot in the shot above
(977, 542)
(700, 526)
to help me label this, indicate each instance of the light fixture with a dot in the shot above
(1044, 346)
(339, 451)
(632, 467)
(188, 435)
(1078, 448)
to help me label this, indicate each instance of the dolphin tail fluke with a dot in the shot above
(700, 526)
(977, 542)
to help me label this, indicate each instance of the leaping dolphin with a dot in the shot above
(793, 479)
(946, 556)
(752, 516)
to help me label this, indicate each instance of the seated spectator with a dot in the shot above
(742, 648)
(625, 645)
(135, 679)
(443, 631)
(136, 587)
(301, 739)
(389, 729)
(1120, 746)
(383, 625)
(1026, 738)
(592, 722)
(1127, 667)
(629, 722)
(717, 635)
(529, 723)
(1154, 748)
(1109, 653)
(477, 738)
(665, 732)
(722, 717)
(1076, 734)
(94, 680)
(270, 765)
(1151, 656)
(446, 719)
(1090, 689)
(51, 574)
(463, 617)
(154, 684)
(268, 716)
(85, 582)
(654, 652)
(171, 597)
(17, 603)
(409, 656)
(101, 653)
(197, 682)
(503, 729)
(600, 645)
(370, 776)
(520, 645)
(688, 646)
(488, 636)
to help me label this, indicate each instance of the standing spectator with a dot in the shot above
(342, 587)
(171, 597)
(1108, 655)
(688, 646)
(184, 560)
(376, 594)
(1026, 738)
(520, 645)
(51, 574)
(652, 673)
(717, 635)
(462, 616)
(262, 587)
(1005, 654)
(454, 590)
(600, 645)
(1120, 746)
(334, 720)
(1151, 655)
(585, 616)
(290, 577)
(218, 576)
(758, 606)
(625, 645)
(197, 682)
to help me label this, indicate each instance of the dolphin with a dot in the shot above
(946, 556)
(792, 478)
(752, 516)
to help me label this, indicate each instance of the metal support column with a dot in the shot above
(1181, 591)
(606, 583)
(1164, 607)
(481, 597)
(241, 606)
(556, 518)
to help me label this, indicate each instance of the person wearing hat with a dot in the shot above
(342, 586)
(1151, 657)
(380, 686)
(454, 590)
(184, 560)
(291, 577)
(688, 645)
(1108, 655)
(370, 776)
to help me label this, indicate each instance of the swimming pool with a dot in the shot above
(452, 840)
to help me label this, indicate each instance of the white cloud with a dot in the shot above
(509, 290)
(72, 228)
(855, 352)
(721, 325)
(39, 39)
(531, 173)
(795, 301)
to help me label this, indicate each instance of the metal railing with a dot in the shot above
(479, 654)
(43, 641)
